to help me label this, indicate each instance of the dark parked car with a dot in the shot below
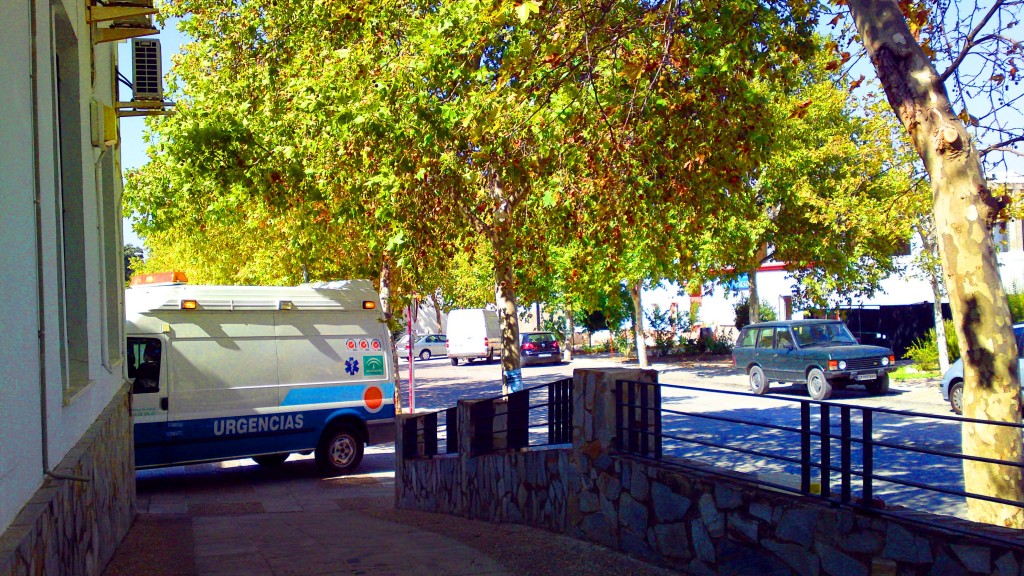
(539, 348)
(822, 353)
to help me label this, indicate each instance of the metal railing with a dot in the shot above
(847, 474)
(537, 416)
(421, 434)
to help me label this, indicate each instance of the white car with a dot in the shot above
(952, 386)
(425, 347)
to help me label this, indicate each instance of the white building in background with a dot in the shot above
(67, 483)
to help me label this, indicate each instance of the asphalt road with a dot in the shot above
(438, 385)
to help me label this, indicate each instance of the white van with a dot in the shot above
(224, 372)
(473, 333)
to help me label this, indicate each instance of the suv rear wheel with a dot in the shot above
(758, 383)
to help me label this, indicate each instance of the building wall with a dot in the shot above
(60, 191)
(20, 454)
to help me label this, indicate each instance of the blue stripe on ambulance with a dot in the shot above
(324, 395)
(226, 437)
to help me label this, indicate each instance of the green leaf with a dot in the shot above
(524, 10)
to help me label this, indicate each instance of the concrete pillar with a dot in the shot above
(593, 484)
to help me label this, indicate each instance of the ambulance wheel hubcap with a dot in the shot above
(342, 450)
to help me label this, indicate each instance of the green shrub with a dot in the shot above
(719, 345)
(1016, 301)
(925, 352)
(664, 324)
(625, 344)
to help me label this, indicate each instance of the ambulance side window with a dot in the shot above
(144, 364)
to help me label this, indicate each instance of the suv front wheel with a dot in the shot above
(879, 385)
(818, 387)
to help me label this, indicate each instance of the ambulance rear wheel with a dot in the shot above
(271, 459)
(455, 361)
(340, 451)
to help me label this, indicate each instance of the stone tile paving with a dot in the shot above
(237, 518)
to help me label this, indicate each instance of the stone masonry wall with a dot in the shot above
(691, 519)
(74, 527)
(521, 486)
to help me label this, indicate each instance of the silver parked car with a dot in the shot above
(952, 386)
(426, 346)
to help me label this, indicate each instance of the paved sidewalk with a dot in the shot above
(238, 518)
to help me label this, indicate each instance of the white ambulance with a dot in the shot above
(224, 372)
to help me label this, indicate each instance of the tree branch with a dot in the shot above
(969, 41)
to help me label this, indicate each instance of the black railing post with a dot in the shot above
(451, 430)
(868, 456)
(657, 422)
(430, 434)
(631, 431)
(805, 448)
(519, 419)
(409, 439)
(560, 412)
(619, 444)
(567, 410)
(826, 451)
(554, 412)
(846, 440)
(481, 415)
(645, 418)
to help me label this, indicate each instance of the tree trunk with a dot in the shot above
(753, 301)
(437, 311)
(385, 304)
(940, 327)
(505, 298)
(570, 331)
(964, 210)
(638, 324)
(935, 280)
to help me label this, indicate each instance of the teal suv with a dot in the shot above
(821, 353)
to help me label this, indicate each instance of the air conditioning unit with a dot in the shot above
(147, 73)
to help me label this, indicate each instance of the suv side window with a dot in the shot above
(747, 338)
(765, 338)
(783, 339)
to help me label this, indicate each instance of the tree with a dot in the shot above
(133, 256)
(822, 201)
(965, 210)
(399, 126)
